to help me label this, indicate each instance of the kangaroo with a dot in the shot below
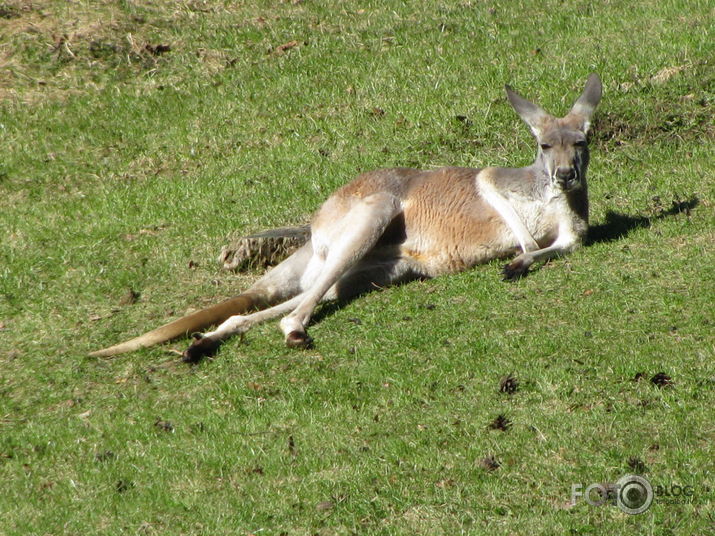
(393, 225)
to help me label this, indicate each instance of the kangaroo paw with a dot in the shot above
(200, 347)
(515, 270)
(298, 339)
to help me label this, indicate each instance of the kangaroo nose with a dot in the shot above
(565, 174)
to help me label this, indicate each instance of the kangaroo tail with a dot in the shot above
(199, 320)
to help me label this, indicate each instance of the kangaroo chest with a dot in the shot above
(543, 219)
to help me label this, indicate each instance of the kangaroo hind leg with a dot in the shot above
(340, 241)
(279, 285)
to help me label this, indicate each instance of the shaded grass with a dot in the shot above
(121, 165)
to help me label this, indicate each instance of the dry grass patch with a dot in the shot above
(58, 49)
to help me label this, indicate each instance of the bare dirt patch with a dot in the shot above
(675, 103)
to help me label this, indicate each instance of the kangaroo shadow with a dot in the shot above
(617, 226)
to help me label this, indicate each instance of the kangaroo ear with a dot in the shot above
(532, 114)
(587, 102)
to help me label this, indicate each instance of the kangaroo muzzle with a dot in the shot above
(566, 177)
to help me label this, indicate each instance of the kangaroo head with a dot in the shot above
(563, 148)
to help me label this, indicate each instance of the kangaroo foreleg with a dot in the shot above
(517, 268)
(505, 209)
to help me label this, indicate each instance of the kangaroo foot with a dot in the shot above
(515, 270)
(200, 347)
(298, 339)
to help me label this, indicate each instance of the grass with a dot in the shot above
(137, 136)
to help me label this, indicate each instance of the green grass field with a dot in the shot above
(138, 136)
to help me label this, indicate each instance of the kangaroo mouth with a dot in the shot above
(567, 184)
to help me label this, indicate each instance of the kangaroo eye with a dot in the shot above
(581, 143)
(545, 146)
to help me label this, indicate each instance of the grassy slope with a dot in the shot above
(122, 164)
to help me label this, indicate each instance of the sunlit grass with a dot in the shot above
(138, 136)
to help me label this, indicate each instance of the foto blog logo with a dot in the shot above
(633, 494)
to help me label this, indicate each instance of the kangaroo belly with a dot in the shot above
(449, 227)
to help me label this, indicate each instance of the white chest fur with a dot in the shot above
(537, 217)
